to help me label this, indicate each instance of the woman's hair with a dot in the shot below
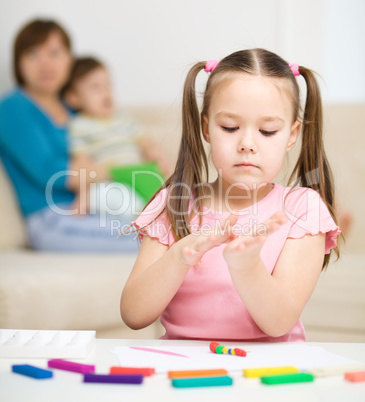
(312, 169)
(33, 34)
(81, 67)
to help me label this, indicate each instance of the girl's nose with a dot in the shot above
(247, 144)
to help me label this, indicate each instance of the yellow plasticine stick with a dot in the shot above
(265, 371)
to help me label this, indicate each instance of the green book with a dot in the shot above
(144, 178)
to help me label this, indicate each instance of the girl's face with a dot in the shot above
(250, 129)
(45, 68)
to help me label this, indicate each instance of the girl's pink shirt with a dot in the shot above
(207, 305)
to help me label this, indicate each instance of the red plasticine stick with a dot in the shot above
(215, 347)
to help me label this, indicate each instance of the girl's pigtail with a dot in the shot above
(191, 163)
(312, 168)
(188, 171)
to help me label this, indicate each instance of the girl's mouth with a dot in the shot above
(246, 165)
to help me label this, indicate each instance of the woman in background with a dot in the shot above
(34, 150)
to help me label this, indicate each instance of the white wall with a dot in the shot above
(344, 50)
(149, 45)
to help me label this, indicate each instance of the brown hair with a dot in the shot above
(81, 67)
(312, 169)
(33, 34)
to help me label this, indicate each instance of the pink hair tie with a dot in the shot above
(211, 65)
(295, 69)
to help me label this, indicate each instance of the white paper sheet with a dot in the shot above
(199, 357)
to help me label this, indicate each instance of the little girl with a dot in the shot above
(238, 258)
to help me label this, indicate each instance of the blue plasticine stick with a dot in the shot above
(31, 371)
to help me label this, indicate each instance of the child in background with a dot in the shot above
(238, 258)
(107, 137)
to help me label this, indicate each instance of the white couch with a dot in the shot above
(70, 291)
(73, 291)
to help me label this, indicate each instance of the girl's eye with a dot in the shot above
(268, 133)
(230, 129)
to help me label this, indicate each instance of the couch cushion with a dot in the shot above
(61, 291)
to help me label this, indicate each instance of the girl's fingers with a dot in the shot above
(271, 225)
(225, 230)
(204, 243)
(190, 256)
(279, 217)
(245, 241)
(189, 252)
(221, 233)
(234, 243)
(224, 233)
(194, 253)
(275, 224)
(232, 219)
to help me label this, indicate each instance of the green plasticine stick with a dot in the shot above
(287, 378)
(202, 382)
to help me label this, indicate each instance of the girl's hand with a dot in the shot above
(244, 251)
(194, 246)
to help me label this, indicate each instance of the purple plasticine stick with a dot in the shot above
(71, 366)
(113, 378)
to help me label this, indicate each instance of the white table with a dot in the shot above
(68, 387)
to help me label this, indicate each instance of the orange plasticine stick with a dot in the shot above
(145, 371)
(197, 373)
